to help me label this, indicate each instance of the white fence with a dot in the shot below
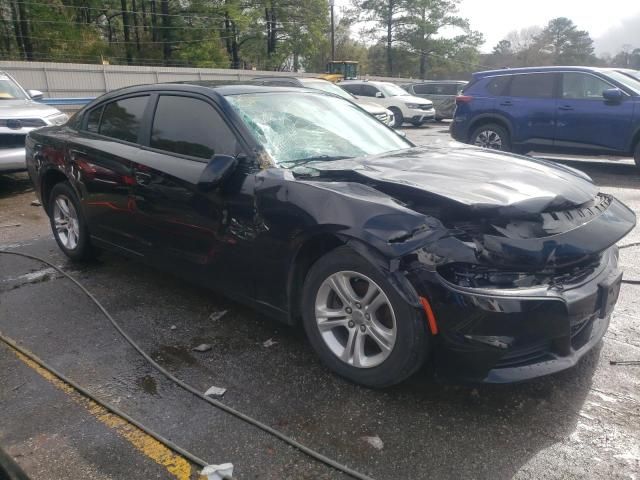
(84, 80)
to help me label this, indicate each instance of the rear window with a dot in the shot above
(497, 86)
(533, 85)
(122, 119)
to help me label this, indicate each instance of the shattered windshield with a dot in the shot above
(299, 127)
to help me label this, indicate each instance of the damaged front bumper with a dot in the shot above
(502, 336)
(499, 336)
(498, 332)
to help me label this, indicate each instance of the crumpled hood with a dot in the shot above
(473, 177)
(25, 109)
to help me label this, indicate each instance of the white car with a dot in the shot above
(375, 109)
(405, 107)
(20, 114)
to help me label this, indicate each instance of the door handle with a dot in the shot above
(565, 108)
(74, 154)
(508, 103)
(142, 178)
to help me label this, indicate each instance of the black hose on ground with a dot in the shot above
(246, 418)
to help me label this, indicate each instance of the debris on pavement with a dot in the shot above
(375, 442)
(173, 327)
(269, 343)
(216, 391)
(218, 472)
(36, 203)
(217, 315)
(203, 347)
(11, 225)
(624, 362)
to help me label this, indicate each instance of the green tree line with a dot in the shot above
(406, 38)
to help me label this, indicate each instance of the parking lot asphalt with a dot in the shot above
(583, 423)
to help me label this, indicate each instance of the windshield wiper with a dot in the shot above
(318, 158)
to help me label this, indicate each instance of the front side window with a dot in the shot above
(122, 119)
(295, 128)
(582, 86)
(533, 85)
(369, 91)
(352, 88)
(192, 127)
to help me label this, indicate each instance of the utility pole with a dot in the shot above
(333, 39)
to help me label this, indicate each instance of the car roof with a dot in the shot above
(512, 71)
(452, 82)
(209, 88)
(364, 82)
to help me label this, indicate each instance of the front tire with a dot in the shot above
(398, 118)
(358, 324)
(68, 223)
(491, 136)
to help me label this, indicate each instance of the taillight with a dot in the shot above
(460, 99)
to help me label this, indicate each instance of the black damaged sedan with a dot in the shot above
(490, 266)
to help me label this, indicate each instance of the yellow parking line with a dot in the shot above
(176, 465)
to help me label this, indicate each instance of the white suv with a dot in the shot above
(405, 107)
(19, 114)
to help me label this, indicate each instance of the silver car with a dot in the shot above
(442, 93)
(20, 114)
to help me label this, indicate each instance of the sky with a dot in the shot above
(611, 24)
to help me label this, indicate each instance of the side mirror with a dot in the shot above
(379, 95)
(35, 94)
(613, 95)
(218, 168)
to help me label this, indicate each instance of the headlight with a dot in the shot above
(58, 118)
(413, 105)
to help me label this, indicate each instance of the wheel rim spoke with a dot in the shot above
(383, 337)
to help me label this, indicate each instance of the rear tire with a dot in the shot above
(636, 154)
(370, 334)
(491, 136)
(397, 117)
(68, 223)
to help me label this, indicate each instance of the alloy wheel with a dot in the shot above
(65, 219)
(355, 319)
(489, 139)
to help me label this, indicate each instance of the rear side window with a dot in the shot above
(93, 119)
(498, 86)
(192, 127)
(424, 89)
(121, 119)
(533, 85)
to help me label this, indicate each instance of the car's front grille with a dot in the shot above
(18, 123)
(426, 107)
(12, 141)
(526, 355)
